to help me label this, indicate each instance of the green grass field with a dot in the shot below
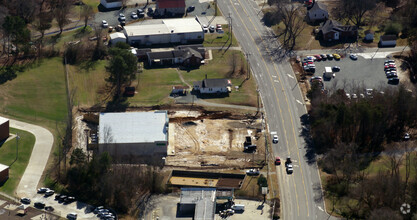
(220, 40)
(8, 155)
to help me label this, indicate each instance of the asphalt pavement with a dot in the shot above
(301, 194)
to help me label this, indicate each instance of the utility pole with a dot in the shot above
(257, 100)
(231, 29)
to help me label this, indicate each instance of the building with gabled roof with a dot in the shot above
(318, 12)
(208, 86)
(332, 30)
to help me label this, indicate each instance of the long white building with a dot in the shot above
(164, 31)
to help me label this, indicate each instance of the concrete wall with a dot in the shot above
(4, 130)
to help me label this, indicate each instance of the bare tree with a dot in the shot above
(61, 13)
(86, 13)
(355, 10)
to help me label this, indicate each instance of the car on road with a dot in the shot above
(25, 200)
(275, 139)
(336, 56)
(72, 216)
(336, 68)
(289, 169)
(104, 24)
(353, 57)
(211, 29)
(122, 17)
(42, 190)
(134, 15)
(253, 172)
(277, 161)
(39, 205)
(329, 57)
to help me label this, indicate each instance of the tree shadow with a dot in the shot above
(117, 104)
(309, 144)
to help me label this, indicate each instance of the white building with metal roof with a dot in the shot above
(164, 31)
(132, 136)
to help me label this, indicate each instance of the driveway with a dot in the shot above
(41, 150)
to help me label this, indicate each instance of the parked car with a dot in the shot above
(104, 24)
(69, 199)
(49, 193)
(205, 28)
(329, 57)
(277, 161)
(97, 209)
(72, 216)
(353, 57)
(391, 75)
(119, 28)
(122, 17)
(42, 190)
(369, 92)
(139, 10)
(191, 8)
(354, 96)
(62, 198)
(393, 80)
(336, 68)
(57, 196)
(123, 23)
(49, 208)
(323, 56)
(25, 200)
(336, 56)
(318, 57)
(348, 95)
(249, 148)
(40, 205)
(110, 29)
(316, 78)
(406, 136)
(211, 28)
(253, 172)
(134, 15)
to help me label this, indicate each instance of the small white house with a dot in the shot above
(388, 41)
(369, 35)
(209, 86)
(317, 13)
(117, 37)
(111, 3)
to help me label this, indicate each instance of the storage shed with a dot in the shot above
(128, 136)
(4, 173)
(369, 35)
(4, 128)
(388, 41)
(164, 31)
(111, 3)
(117, 37)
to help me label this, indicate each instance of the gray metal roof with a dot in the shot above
(133, 127)
(204, 200)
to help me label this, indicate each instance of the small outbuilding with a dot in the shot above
(111, 3)
(4, 128)
(117, 37)
(4, 173)
(369, 35)
(388, 41)
(317, 12)
(210, 86)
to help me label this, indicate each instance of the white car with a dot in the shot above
(353, 57)
(122, 17)
(254, 172)
(43, 190)
(275, 139)
(134, 15)
(104, 24)
(205, 28)
(211, 28)
(369, 92)
(354, 96)
(290, 169)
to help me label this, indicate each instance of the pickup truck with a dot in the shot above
(288, 165)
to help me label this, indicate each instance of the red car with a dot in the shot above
(309, 62)
(308, 2)
(277, 161)
(318, 57)
(392, 66)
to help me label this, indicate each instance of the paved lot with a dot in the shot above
(355, 75)
(112, 16)
(164, 207)
(8, 210)
(202, 8)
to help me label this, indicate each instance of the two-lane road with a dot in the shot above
(300, 192)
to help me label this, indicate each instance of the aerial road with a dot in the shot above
(300, 192)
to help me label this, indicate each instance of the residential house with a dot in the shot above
(332, 30)
(210, 86)
(111, 3)
(186, 56)
(168, 8)
(388, 41)
(317, 12)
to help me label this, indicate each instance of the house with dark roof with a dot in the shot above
(318, 12)
(210, 86)
(369, 35)
(388, 41)
(185, 56)
(168, 8)
(332, 30)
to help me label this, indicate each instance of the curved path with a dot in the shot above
(40, 153)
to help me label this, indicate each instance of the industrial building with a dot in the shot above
(132, 137)
(164, 31)
(4, 173)
(4, 128)
(200, 201)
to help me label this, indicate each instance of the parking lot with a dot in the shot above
(355, 75)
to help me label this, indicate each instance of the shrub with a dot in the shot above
(393, 28)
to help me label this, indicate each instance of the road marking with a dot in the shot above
(277, 81)
(274, 76)
(321, 209)
(299, 102)
(289, 75)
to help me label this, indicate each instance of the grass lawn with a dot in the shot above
(87, 82)
(220, 67)
(58, 42)
(382, 164)
(250, 188)
(8, 155)
(220, 40)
